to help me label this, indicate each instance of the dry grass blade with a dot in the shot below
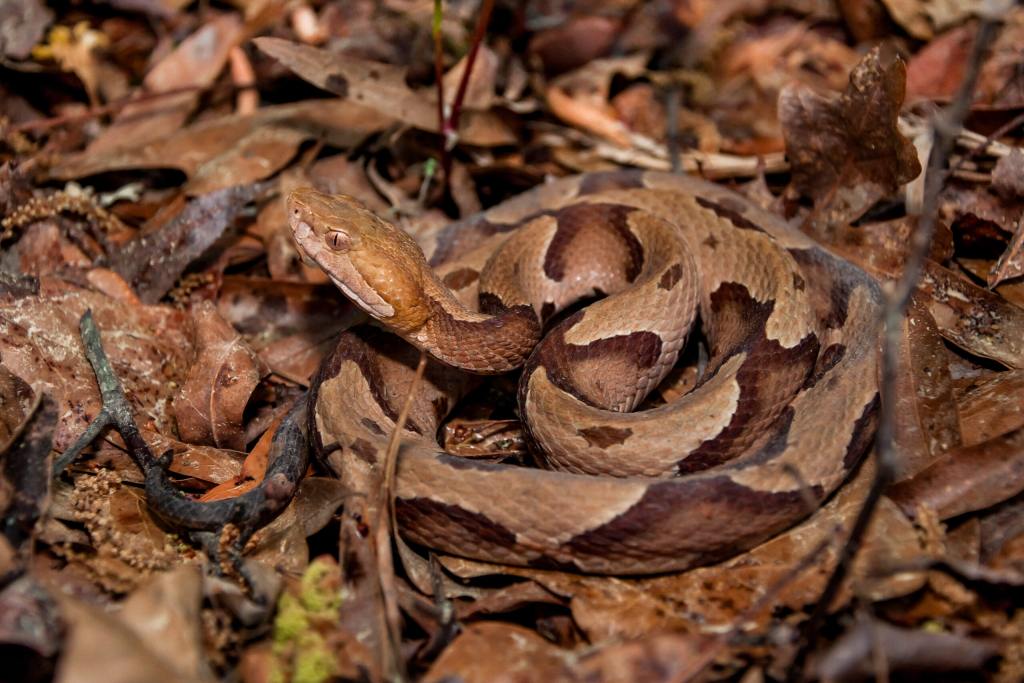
(384, 526)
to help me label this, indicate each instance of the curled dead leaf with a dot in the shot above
(211, 403)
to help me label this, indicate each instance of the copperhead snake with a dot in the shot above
(783, 411)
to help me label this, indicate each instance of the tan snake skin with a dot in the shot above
(783, 411)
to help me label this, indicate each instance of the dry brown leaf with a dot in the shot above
(16, 397)
(148, 346)
(999, 83)
(1011, 290)
(1008, 174)
(981, 220)
(480, 89)
(926, 418)
(235, 150)
(165, 614)
(974, 318)
(282, 543)
(967, 478)
(201, 463)
(30, 625)
(574, 43)
(881, 248)
(494, 652)
(381, 87)
(580, 98)
(992, 408)
(937, 69)
(210, 405)
(922, 18)
(866, 19)
(1011, 263)
(101, 648)
(45, 248)
(195, 63)
(291, 325)
(847, 152)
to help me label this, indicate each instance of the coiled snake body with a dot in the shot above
(783, 411)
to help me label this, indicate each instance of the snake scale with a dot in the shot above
(783, 411)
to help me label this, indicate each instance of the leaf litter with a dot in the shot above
(143, 181)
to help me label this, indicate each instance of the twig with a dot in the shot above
(946, 124)
(448, 121)
(451, 129)
(384, 526)
(989, 139)
(287, 464)
(110, 108)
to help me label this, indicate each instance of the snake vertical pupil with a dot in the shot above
(338, 241)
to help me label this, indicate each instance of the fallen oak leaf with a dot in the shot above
(847, 152)
(193, 65)
(210, 405)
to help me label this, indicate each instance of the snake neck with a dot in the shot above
(495, 341)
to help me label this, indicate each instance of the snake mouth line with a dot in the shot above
(351, 282)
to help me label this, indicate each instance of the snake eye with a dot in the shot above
(338, 240)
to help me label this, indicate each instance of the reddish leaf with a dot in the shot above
(210, 405)
(149, 347)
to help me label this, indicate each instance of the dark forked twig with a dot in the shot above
(204, 521)
(946, 123)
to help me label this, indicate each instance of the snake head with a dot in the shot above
(375, 264)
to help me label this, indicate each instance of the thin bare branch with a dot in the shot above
(945, 125)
